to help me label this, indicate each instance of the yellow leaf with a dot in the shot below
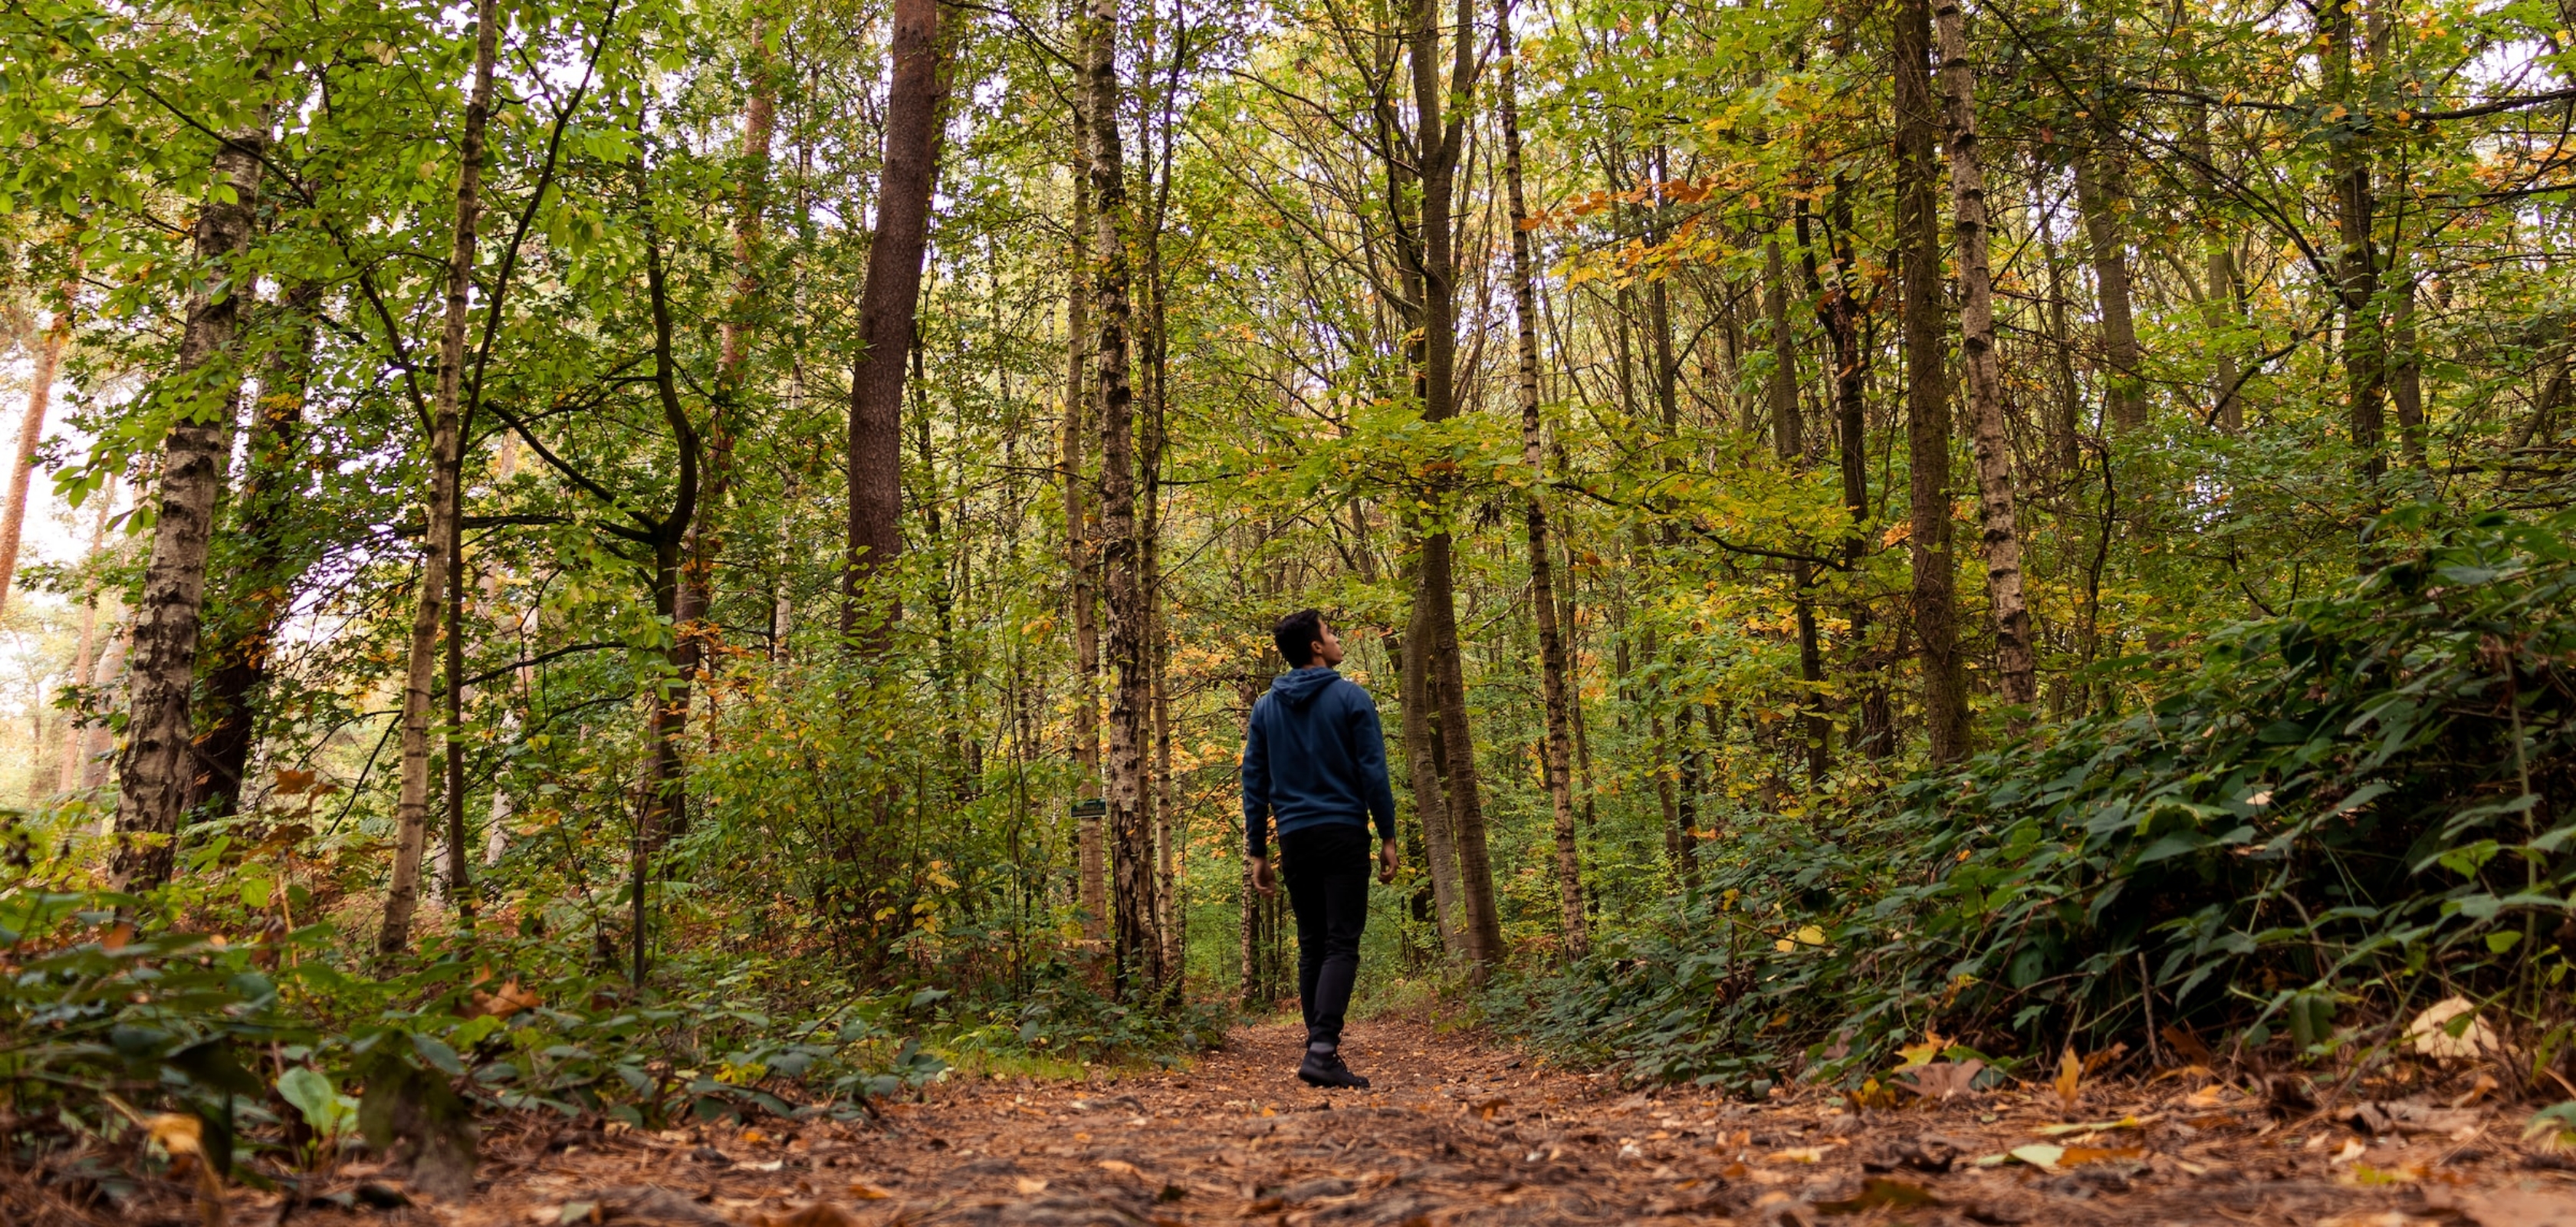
(1811, 935)
(174, 1132)
(2070, 1077)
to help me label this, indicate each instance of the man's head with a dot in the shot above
(1304, 640)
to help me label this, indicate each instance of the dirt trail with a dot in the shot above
(1459, 1132)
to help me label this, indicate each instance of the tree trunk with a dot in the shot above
(886, 308)
(1788, 437)
(698, 632)
(1439, 139)
(159, 762)
(1997, 516)
(31, 432)
(2407, 376)
(1927, 392)
(1558, 757)
(2365, 340)
(1838, 311)
(99, 740)
(1414, 690)
(261, 587)
(1137, 956)
(411, 807)
(2126, 398)
(1091, 853)
(85, 672)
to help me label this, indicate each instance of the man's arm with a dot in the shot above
(1256, 786)
(1368, 751)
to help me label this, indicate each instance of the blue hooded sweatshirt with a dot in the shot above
(1313, 754)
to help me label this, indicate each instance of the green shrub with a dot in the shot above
(2329, 817)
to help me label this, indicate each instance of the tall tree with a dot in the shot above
(698, 631)
(438, 542)
(1136, 950)
(1997, 516)
(1439, 131)
(31, 427)
(1927, 387)
(200, 391)
(1552, 666)
(1091, 852)
(886, 308)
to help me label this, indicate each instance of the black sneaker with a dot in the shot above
(1326, 1069)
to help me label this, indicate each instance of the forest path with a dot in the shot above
(1457, 1130)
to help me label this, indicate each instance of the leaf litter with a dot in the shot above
(1461, 1131)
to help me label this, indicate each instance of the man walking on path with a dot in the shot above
(1314, 760)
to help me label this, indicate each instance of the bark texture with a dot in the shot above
(203, 386)
(1927, 391)
(437, 559)
(1557, 756)
(1997, 516)
(1136, 950)
(886, 308)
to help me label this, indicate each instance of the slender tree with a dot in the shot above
(1927, 388)
(1971, 232)
(204, 382)
(438, 542)
(1552, 667)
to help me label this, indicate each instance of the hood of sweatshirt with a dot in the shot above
(1300, 688)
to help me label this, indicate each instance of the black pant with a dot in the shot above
(1327, 872)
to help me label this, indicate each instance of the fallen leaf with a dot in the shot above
(2438, 1034)
(2070, 1077)
(2216, 1094)
(1488, 1106)
(1118, 1167)
(2078, 1156)
(1030, 1186)
(2485, 1085)
(1796, 1154)
(2353, 1148)
(2040, 1155)
(1944, 1080)
(867, 1192)
(506, 1001)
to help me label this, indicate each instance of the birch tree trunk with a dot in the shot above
(1552, 670)
(1137, 955)
(158, 764)
(411, 806)
(1091, 853)
(1997, 516)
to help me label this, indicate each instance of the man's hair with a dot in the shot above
(1297, 635)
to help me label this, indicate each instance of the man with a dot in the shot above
(1315, 761)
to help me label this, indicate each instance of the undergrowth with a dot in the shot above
(2329, 819)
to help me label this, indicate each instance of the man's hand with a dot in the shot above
(1388, 862)
(1264, 879)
